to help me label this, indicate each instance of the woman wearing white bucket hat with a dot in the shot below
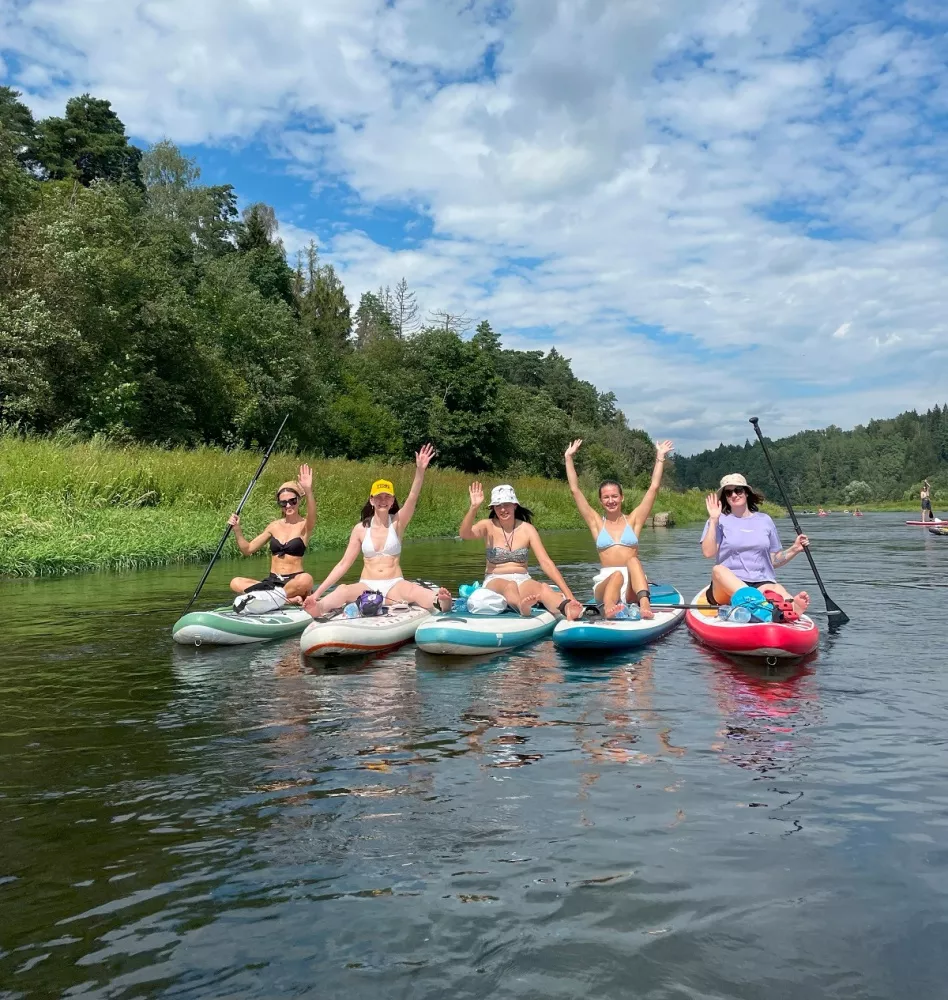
(621, 577)
(744, 542)
(509, 536)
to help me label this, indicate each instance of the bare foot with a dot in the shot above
(312, 606)
(298, 601)
(525, 606)
(573, 610)
(444, 599)
(611, 610)
(645, 608)
(801, 602)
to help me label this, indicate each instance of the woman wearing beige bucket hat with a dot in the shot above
(743, 541)
(288, 537)
(509, 536)
(378, 537)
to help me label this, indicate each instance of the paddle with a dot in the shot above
(836, 614)
(240, 506)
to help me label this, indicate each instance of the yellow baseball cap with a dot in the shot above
(381, 486)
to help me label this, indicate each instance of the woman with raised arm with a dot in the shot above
(744, 543)
(509, 535)
(379, 536)
(288, 537)
(621, 579)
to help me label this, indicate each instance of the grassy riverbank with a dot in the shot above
(73, 506)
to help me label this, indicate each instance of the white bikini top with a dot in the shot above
(392, 546)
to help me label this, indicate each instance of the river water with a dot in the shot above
(235, 823)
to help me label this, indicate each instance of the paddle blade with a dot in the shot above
(836, 614)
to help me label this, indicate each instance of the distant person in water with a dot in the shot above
(288, 537)
(926, 497)
(743, 541)
(621, 579)
(378, 536)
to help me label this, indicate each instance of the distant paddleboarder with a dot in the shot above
(926, 497)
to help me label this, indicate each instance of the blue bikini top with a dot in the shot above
(605, 541)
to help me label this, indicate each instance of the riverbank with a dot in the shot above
(76, 506)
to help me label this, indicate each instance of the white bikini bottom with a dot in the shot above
(607, 571)
(517, 578)
(382, 586)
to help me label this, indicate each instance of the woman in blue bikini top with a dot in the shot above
(621, 579)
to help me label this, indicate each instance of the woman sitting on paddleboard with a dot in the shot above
(509, 536)
(621, 578)
(288, 538)
(379, 536)
(745, 544)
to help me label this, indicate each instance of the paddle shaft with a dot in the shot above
(240, 507)
(832, 607)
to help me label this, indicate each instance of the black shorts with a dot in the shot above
(926, 504)
(709, 593)
(272, 581)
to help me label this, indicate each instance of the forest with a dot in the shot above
(139, 304)
(885, 460)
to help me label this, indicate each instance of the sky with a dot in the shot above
(715, 208)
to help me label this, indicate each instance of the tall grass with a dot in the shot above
(67, 506)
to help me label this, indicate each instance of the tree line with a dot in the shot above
(139, 303)
(885, 460)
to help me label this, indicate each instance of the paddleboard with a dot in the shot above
(939, 531)
(341, 636)
(224, 627)
(767, 640)
(927, 524)
(605, 633)
(468, 635)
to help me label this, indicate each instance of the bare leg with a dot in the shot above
(240, 583)
(339, 598)
(552, 599)
(724, 583)
(424, 597)
(608, 594)
(637, 584)
(298, 588)
(510, 592)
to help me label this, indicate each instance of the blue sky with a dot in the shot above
(716, 208)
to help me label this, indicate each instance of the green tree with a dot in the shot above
(263, 251)
(87, 144)
(857, 492)
(373, 322)
(485, 338)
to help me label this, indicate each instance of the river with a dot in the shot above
(235, 823)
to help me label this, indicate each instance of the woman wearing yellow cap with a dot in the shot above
(288, 537)
(379, 536)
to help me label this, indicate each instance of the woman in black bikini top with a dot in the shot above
(288, 537)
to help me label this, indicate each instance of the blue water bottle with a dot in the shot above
(351, 610)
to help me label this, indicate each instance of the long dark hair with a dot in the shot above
(522, 512)
(754, 500)
(368, 510)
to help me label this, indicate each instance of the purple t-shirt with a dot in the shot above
(745, 544)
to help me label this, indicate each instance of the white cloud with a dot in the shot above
(763, 182)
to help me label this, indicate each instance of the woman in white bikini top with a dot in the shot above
(379, 536)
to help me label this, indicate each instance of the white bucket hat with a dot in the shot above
(734, 479)
(503, 494)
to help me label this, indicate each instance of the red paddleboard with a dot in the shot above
(767, 640)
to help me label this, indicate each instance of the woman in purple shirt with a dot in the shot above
(743, 541)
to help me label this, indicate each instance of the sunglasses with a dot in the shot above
(288, 503)
(734, 491)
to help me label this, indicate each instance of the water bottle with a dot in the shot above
(459, 604)
(739, 613)
(351, 610)
(629, 613)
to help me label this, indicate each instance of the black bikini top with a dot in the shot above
(294, 547)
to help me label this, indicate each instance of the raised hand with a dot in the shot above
(713, 502)
(477, 494)
(423, 458)
(306, 478)
(573, 448)
(234, 521)
(664, 448)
